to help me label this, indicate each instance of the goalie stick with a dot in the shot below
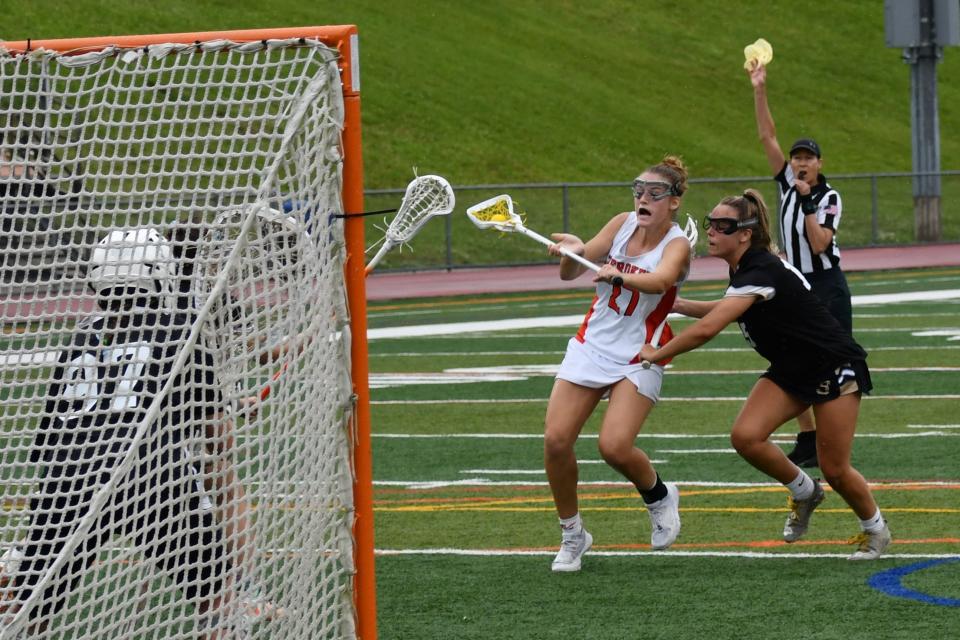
(425, 197)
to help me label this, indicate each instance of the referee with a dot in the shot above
(810, 212)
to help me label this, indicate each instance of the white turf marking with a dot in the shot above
(484, 482)
(560, 352)
(485, 327)
(668, 436)
(944, 396)
(951, 334)
(695, 450)
(933, 426)
(495, 553)
(894, 314)
(525, 472)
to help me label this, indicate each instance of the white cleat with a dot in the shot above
(665, 519)
(572, 549)
(800, 511)
(871, 544)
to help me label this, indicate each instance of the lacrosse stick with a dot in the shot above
(426, 197)
(497, 213)
(692, 235)
(256, 299)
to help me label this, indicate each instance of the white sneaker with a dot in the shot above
(665, 518)
(572, 548)
(871, 544)
(800, 511)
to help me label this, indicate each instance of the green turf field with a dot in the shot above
(465, 526)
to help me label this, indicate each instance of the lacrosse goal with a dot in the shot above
(239, 152)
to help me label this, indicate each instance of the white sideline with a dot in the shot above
(931, 433)
(574, 320)
(675, 554)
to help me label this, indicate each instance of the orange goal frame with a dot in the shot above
(345, 39)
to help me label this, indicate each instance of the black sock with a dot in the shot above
(807, 437)
(654, 493)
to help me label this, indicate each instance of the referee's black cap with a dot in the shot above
(807, 144)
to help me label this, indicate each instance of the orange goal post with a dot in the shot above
(217, 166)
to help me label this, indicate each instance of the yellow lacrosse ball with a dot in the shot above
(760, 52)
(499, 217)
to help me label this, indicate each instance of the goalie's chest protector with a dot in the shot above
(622, 320)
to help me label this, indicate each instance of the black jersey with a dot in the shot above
(789, 325)
(105, 384)
(106, 381)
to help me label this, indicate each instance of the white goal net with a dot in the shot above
(176, 405)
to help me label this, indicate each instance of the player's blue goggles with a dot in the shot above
(727, 226)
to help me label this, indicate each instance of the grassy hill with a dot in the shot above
(549, 91)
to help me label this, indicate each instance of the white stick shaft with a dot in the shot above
(384, 249)
(655, 341)
(570, 254)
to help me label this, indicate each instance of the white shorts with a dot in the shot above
(581, 365)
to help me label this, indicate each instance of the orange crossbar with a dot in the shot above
(342, 37)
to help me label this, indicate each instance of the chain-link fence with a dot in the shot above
(878, 210)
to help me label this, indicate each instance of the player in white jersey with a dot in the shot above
(648, 251)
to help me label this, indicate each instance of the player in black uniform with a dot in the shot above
(102, 437)
(814, 361)
(810, 212)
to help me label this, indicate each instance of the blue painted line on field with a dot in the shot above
(889, 582)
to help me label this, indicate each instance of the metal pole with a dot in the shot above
(926, 127)
(448, 226)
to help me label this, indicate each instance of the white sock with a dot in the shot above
(802, 486)
(874, 524)
(571, 526)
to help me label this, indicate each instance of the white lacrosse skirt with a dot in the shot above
(583, 366)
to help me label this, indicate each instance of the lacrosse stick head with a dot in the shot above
(425, 197)
(254, 289)
(495, 213)
(692, 233)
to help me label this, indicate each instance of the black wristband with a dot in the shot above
(807, 205)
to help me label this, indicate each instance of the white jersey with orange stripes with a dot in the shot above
(620, 319)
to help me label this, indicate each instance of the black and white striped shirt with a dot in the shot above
(793, 235)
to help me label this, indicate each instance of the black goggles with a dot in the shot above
(727, 226)
(656, 190)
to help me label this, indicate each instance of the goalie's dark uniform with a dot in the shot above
(104, 385)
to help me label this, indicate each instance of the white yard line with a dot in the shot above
(933, 426)
(485, 482)
(496, 553)
(944, 396)
(574, 320)
(932, 433)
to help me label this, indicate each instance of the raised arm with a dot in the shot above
(766, 128)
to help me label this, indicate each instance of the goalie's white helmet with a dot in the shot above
(134, 261)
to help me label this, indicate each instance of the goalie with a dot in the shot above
(103, 387)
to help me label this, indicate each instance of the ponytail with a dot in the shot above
(751, 205)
